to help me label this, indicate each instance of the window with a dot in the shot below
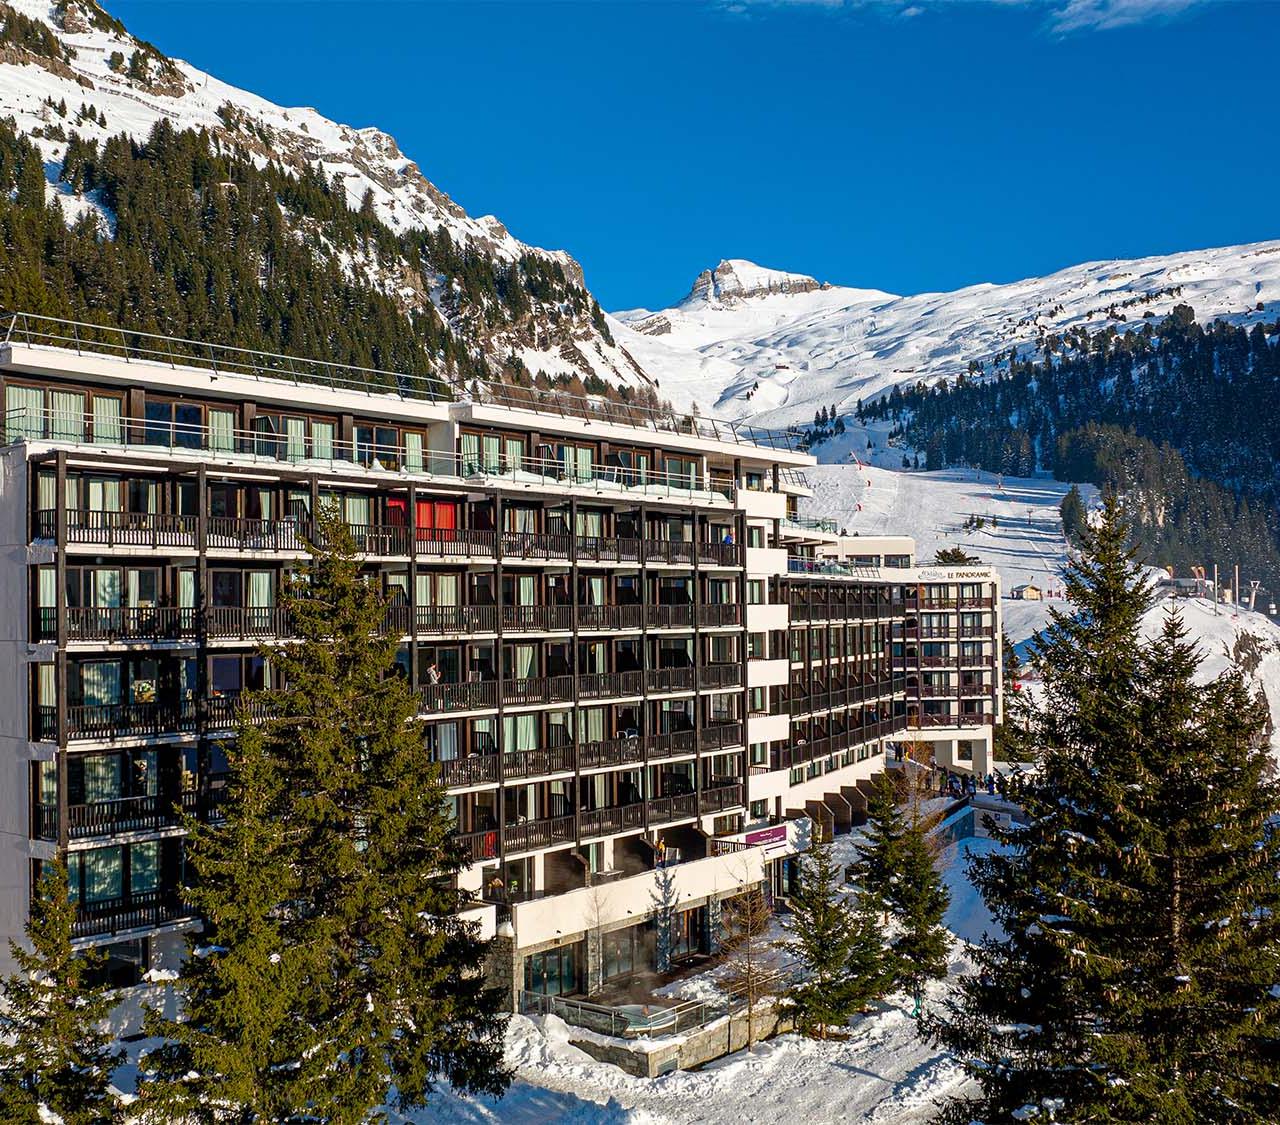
(755, 536)
(222, 426)
(759, 704)
(24, 412)
(759, 810)
(755, 482)
(755, 646)
(554, 972)
(755, 591)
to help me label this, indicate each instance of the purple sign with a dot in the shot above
(774, 835)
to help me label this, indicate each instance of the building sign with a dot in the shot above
(775, 835)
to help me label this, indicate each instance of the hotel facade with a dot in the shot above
(644, 676)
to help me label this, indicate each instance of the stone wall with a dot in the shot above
(689, 1049)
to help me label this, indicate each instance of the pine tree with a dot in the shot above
(838, 943)
(1047, 1019)
(920, 943)
(383, 982)
(1073, 514)
(55, 1059)
(1194, 1031)
(244, 1025)
(880, 857)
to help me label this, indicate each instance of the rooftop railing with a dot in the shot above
(309, 452)
(81, 337)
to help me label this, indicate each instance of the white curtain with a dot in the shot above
(261, 589)
(515, 454)
(322, 440)
(105, 590)
(583, 466)
(492, 445)
(106, 420)
(100, 683)
(186, 589)
(66, 415)
(520, 732)
(413, 452)
(144, 867)
(47, 594)
(295, 438)
(525, 661)
(222, 425)
(446, 742)
(24, 412)
(470, 453)
(526, 590)
(592, 724)
(447, 589)
(357, 510)
(591, 524)
(595, 591)
(102, 874)
(101, 778)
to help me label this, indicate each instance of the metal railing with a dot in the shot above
(34, 331)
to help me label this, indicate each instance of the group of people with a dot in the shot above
(960, 785)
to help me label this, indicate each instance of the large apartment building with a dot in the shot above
(640, 671)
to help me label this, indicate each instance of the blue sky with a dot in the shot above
(906, 145)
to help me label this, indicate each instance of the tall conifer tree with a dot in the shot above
(839, 944)
(55, 1057)
(1139, 898)
(364, 951)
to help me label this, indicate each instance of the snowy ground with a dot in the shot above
(1024, 543)
(882, 1073)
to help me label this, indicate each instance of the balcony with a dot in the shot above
(535, 545)
(134, 912)
(671, 745)
(719, 615)
(538, 689)
(657, 680)
(116, 624)
(247, 623)
(534, 834)
(720, 798)
(107, 818)
(720, 676)
(537, 618)
(537, 763)
(120, 529)
(116, 720)
(669, 616)
(975, 720)
(480, 695)
(479, 769)
(665, 810)
(609, 617)
(603, 685)
(606, 821)
(612, 752)
(232, 533)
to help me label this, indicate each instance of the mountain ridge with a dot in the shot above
(778, 358)
(72, 55)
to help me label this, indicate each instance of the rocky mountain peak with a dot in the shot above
(736, 279)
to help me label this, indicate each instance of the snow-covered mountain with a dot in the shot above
(71, 55)
(777, 347)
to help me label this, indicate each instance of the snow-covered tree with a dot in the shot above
(1141, 896)
(838, 942)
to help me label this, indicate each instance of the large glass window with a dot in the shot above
(554, 972)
